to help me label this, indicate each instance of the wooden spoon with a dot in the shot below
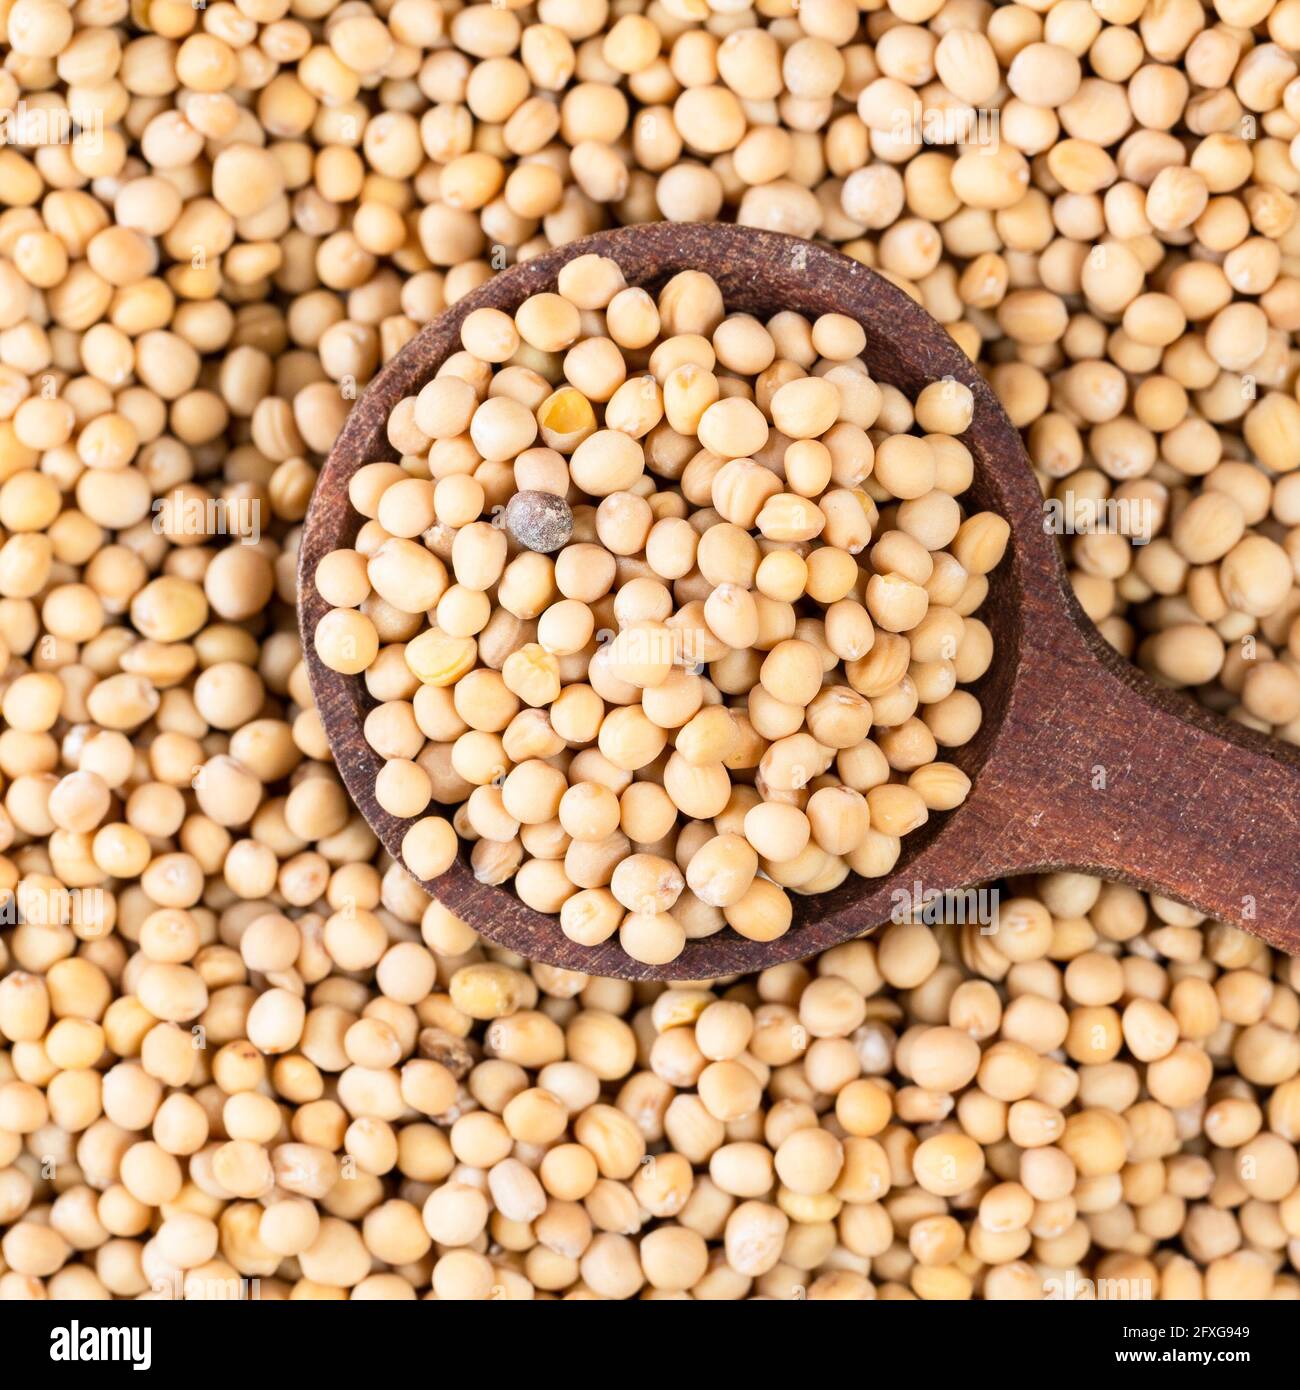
(1082, 762)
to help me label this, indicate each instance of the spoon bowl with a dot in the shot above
(1081, 762)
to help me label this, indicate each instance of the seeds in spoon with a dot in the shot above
(741, 593)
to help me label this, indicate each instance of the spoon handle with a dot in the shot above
(1130, 780)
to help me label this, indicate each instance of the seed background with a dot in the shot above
(274, 200)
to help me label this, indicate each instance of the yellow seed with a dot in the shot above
(489, 991)
(436, 658)
(533, 674)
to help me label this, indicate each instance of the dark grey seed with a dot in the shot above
(539, 520)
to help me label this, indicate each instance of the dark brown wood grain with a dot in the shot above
(1081, 763)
